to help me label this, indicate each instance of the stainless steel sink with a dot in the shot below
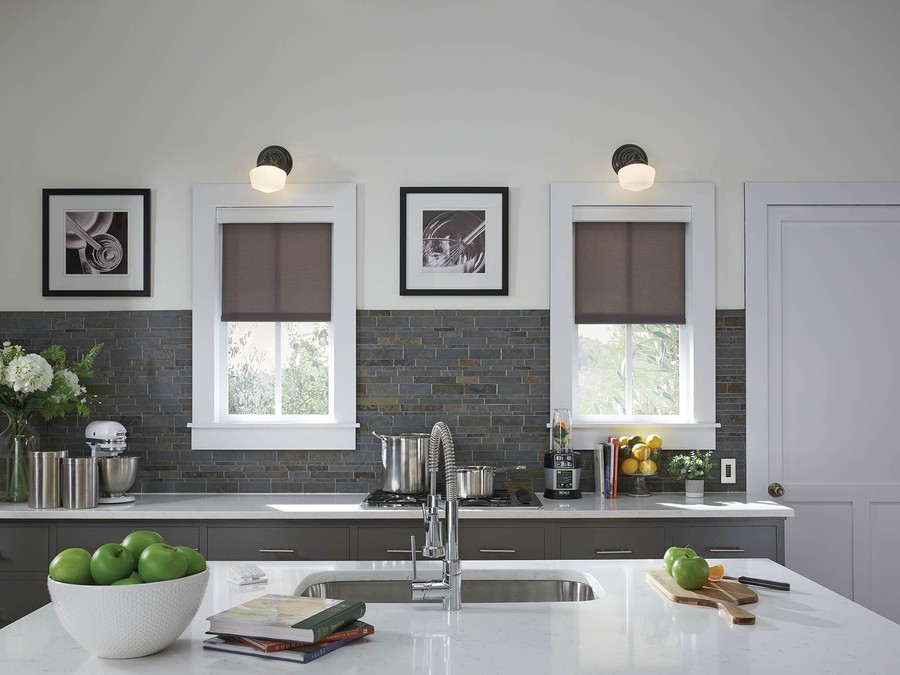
(372, 587)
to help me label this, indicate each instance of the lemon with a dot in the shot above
(641, 451)
(629, 466)
(623, 440)
(654, 441)
(648, 466)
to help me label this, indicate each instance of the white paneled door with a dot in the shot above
(823, 369)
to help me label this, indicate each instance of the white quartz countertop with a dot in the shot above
(344, 506)
(631, 628)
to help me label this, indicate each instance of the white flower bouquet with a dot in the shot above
(31, 383)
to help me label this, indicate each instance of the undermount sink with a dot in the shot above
(478, 586)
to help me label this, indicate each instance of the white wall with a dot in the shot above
(386, 93)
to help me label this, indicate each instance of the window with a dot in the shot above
(640, 355)
(274, 318)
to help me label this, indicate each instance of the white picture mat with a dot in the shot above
(491, 204)
(59, 280)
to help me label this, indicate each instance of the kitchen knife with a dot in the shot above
(765, 583)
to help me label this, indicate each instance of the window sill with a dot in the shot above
(285, 436)
(675, 435)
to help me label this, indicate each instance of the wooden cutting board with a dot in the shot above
(724, 595)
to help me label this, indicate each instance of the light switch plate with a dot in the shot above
(729, 467)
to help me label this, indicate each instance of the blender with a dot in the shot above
(106, 439)
(562, 466)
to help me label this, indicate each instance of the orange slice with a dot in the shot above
(716, 572)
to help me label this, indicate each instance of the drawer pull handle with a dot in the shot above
(496, 550)
(276, 550)
(725, 550)
(405, 551)
(619, 552)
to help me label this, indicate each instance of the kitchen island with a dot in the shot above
(630, 628)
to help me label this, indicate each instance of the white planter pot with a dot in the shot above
(693, 488)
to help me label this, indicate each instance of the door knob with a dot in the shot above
(776, 490)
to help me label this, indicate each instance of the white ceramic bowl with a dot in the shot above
(123, 622)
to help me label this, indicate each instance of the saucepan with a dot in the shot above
(477, 482)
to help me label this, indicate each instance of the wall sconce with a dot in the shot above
(635, 172)
(272, 168)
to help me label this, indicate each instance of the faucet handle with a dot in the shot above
(412, 550)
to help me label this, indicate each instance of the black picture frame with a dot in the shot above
(96, 242)
(454, 241)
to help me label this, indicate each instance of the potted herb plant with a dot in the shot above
(692, 468)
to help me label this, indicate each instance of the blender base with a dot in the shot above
(123, 499)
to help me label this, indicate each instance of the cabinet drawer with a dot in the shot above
(388, 543)
(501, 543)
(717, 541)
(24, 549)
(278, 543)
(19, 597)
(92, 536)
(609, 543)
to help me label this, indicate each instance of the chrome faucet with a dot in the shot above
(440, 542)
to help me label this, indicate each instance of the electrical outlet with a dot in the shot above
(728, 470)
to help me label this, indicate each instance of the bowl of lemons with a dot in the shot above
(639, 456)
(128, 599)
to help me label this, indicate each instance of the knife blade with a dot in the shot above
(765, 583)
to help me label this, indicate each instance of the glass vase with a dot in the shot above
(16, 441)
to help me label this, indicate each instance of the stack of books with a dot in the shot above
(287, 627)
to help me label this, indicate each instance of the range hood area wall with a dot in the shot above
(485, 372)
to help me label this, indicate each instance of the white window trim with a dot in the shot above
(215, 204)
(693, 203)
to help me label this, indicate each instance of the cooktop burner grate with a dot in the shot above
(500, 498)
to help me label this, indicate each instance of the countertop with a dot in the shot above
(344, 506)
(631, 628)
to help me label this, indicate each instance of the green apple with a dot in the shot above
(196, 562)
(127, 581)
(161, 562)
(673, 554)
(110, 563)
(72, 566)
(138, 540)
(690, 572)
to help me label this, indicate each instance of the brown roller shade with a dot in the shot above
(276, 271)
(629, 272)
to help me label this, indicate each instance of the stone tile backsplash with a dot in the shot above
(484, 372)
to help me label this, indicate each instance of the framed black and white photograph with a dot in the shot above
(96, 242)
(454, 241)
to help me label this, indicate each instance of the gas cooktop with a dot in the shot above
(500, 498)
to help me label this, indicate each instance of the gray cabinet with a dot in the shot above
(507, 542)
(612, 542)
(91, 536)
(745, 540)
(293, 542)
(24, 559)
(388, 542)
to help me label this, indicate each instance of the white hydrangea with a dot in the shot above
(29, 373)
(69, 387)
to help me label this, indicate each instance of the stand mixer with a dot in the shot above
(106, 440)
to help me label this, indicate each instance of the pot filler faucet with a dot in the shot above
(440, 542)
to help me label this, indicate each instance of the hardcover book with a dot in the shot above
(301, 654)
(354, 630)
(287, 617)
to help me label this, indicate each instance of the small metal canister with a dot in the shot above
(43, 479)
(80, 482)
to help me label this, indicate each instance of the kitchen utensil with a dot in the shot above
(562, 475)
(117, 474)
(724, 595)
(404, 458)
(477, 482)
(764, 583)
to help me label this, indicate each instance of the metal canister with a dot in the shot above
(43, 479)
(80, 480)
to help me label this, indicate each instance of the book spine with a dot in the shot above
(614, 442)
(268, 645)
(338, 620)
(351, 634)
